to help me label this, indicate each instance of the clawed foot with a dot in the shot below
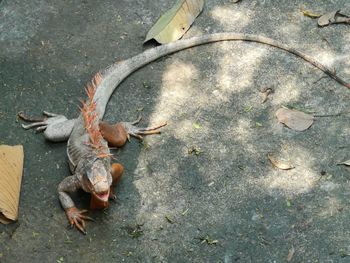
(112, 196)
(41, 123)
(76, 218)
(138, 132)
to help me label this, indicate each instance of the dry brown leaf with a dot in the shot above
(278, 163)
(265, 94)
(347, 163)
(294, 119)
(11, 168)
(334, 17)
(175, 22)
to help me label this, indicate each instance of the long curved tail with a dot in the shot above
(116, 73)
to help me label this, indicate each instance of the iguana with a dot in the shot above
(88, 136)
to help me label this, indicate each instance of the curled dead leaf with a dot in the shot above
(265, 94)
(347, 163)
(334, 17)
(174, 23)
(279, 163)
(294, 119)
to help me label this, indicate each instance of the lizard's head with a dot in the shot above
(98, 180)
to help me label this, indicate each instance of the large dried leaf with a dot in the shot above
(11, 168)
(334, 17)
(175, 22)
(347, 163)
(280, 163)
(294, 119)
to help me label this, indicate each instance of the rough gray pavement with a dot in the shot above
(225, 204)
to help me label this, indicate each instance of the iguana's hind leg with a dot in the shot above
(118, 134)
(55, 127)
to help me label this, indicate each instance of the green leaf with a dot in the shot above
(197, 125)
(288, 203)
(309, 14)
(185, 212)
(174, 23)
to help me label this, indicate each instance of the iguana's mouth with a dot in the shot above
(102, 196)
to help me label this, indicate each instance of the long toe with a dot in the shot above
(32, 125)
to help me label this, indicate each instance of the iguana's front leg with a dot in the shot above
(75, 216)
(117, 135)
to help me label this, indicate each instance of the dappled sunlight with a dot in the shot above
(228, 16)
(288, 92)
(290, 31)
(347, 71)
(289, 183)
(346, 58)
(301, 179)
(326, 57)
(185, 127)
(237, 70)
(241, 130)
(178, 76)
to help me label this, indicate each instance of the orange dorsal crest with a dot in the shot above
(91, 119)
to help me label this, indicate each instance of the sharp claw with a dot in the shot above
(49, 114)
(80, 227)
(137, 132)
(154, 127)
(137, 121)
(137, 135)
(41, 128)
(88, 218)
(149, 132)
(83, 224)
(35, 124)
(113, 197)
(76, 218)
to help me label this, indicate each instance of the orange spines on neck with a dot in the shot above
(91, 119)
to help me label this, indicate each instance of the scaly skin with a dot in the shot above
(96, 175)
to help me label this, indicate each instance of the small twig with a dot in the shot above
(265, 93)
(323, 77)
(328, 115)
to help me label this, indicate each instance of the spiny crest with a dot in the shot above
(91, 119)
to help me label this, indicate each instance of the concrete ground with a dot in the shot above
(203, 190)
